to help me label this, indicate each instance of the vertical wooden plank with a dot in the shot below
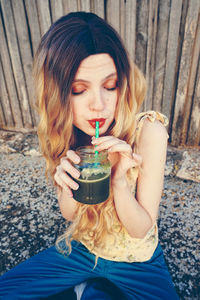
(130, 27)
(33, 21)
(2, 117)
(160, 53)
(191, 83)
(70, 6)
(25, 52)
(171, 57)
(5, 100)
(122, 20)
(150, 60)
(113, 14)
(9, 79)
(56, 9)
(141, 34)
(16, 62)
(85, 5)
(193, 138)
(99, 8)
(193, 132)
(44, 15)
(178, 132)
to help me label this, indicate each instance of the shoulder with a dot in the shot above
(151, 128)
(153, 133)
(153, 140)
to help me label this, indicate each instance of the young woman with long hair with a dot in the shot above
(84, 75)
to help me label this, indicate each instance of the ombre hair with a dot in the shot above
(70, 40)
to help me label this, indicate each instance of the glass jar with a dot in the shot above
(94, 181)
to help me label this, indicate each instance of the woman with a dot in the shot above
(83, 75)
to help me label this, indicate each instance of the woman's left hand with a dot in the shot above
(120, 155)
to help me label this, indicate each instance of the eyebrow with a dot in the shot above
(108, 76)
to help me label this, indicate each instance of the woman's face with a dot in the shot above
(94, 94)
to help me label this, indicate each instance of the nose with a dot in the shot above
(97, 101)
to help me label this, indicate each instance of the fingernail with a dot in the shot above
(77, 174)
(75, 186)
(77, 159)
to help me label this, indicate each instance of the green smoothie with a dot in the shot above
(94, 180)
(93, 190)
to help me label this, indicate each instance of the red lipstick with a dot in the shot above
(93, 122)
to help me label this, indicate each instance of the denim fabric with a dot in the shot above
(51, 272)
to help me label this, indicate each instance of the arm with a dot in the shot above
(65, 183)
(138, 214)
(67, 204)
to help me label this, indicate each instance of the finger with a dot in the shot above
(61, 184)
(109, 143)
(66, 178)
(67, 167)
(73, 156)
(68, 181)
(99, 140)
(122, 148)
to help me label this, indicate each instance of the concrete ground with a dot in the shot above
(30, 220)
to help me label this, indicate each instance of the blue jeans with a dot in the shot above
(51, 272)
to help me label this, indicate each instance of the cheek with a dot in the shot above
(113, 104)
(75, 112)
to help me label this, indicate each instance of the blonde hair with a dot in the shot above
(56, 132)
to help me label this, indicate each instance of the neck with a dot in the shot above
(82, 139)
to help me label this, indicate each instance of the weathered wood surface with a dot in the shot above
(16, 62)
(160, 53)
(162, 37)
(6, 103)
(191, 88)
(33, 24)
(180, 113)
(113, 14)
(25, 52)
(130, 27)
(44, 15)
(56, 9)
(141, 34)
(171, 56)
(10, 81)
(98, 8)
(193, 137)
(151, 46)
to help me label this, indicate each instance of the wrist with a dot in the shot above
(119, 183)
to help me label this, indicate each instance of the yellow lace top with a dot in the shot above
(125, 248)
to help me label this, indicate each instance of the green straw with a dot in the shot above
(96, 135)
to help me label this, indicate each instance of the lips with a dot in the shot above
(93, 122)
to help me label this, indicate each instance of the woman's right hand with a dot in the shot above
(65, 171)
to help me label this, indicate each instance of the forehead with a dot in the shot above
(99, 64)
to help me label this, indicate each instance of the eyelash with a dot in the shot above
(108, 89)
(79, 93)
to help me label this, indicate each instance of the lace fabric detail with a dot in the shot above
(152, 116)
(125, 248)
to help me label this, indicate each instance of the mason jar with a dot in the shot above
(94, 180)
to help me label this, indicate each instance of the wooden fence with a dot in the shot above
(162, 36)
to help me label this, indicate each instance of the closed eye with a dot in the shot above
(111, 85)
(77, 93)
(111, 89)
